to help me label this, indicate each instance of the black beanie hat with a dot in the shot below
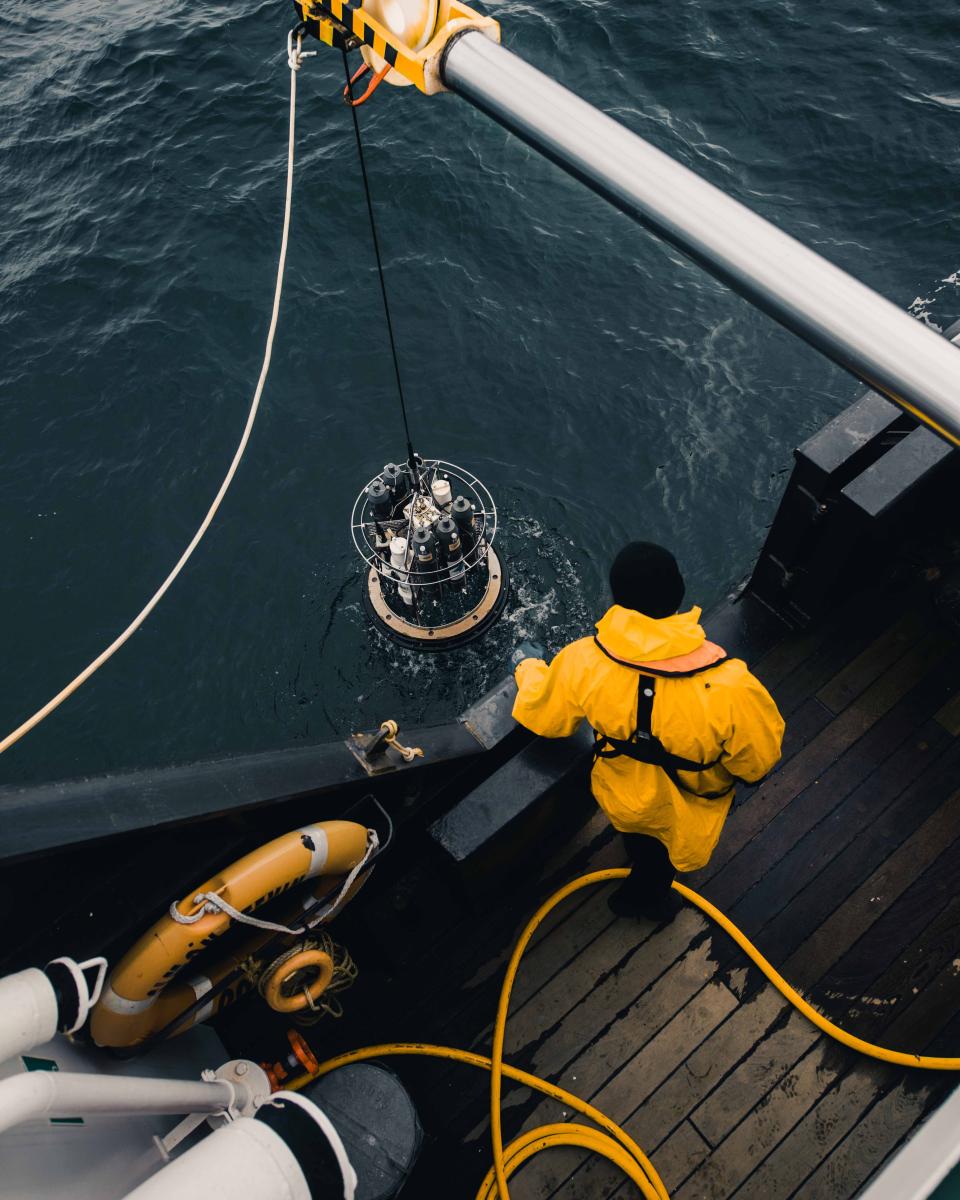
(645, 577)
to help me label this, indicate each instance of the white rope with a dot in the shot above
(293, 61)
(330, 910)
(87, 996)
(213, 903)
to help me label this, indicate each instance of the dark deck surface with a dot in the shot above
(844, 869)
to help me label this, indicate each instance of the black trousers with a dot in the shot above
(652, 871)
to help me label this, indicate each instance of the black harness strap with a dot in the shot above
(644, 746)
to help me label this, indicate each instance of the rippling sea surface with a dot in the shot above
(602, 386)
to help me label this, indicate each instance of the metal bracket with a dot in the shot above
(391, 731)
(180, 1132)
(250, 1083)
(250, 1087)
(380, 751)
(347, 25)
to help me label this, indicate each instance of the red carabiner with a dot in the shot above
(371, 86)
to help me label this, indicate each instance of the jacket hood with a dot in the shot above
(633, 637)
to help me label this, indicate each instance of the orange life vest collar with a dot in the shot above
(702, 659)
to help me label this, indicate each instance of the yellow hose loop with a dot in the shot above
(567, 1135)
(499, 1033)
(653, 1188)
(609, 1140)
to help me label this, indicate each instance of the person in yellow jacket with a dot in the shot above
(677, 724)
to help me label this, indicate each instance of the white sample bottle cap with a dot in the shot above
(442, 494)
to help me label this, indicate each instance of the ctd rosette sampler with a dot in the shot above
(425, 530)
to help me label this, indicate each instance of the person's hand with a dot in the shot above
(526, 649)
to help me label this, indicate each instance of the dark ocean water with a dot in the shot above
(602, 386)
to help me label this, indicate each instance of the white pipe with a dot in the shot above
(29, 1012)
(60, 1094)
(245, 1158)
(879, 342)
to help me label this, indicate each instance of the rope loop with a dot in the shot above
(212, 902)
(319, 1001)
(296, 55)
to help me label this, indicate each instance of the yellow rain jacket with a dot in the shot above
(721, 712)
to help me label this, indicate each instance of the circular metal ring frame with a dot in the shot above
(452, 635)
(362, 524)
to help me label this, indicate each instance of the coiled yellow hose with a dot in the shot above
(609, 1140)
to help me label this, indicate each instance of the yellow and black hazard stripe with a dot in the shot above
(344, 25)
(330, 20)
(337, 23)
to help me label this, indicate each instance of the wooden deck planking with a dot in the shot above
(921, 1020)
(832, 810)
(844, 687)
(891, 1011)
(677, 1156)
(787, 655)
(680, 1153)
(837, 638)
(567, 932)
(763, 1127)
(728, 1105)
(642, 1076)
(846, 1098)
(819, 1132)
(948, 1039)
(834, 886)
(859, 828)
(591, 848)
(949, 716)
(760, 1071)
(754, 816)
(645, 1072)
(705, 1066)
(653, 1034)
(906, 846)
(650, 1109)
(642, 994)
(662, 974)
(915, 935)
(853, 1082)
(813, 959)
(542, 1037)
(834, 654)
(582, 942)
(473, 950)
(869, 1143)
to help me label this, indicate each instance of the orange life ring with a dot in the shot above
(144, 993)
(280, 999)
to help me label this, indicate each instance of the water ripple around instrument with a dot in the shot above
(601, 385)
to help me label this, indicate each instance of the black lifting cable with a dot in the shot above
(411, 457)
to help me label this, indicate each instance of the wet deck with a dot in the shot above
(844, 867)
